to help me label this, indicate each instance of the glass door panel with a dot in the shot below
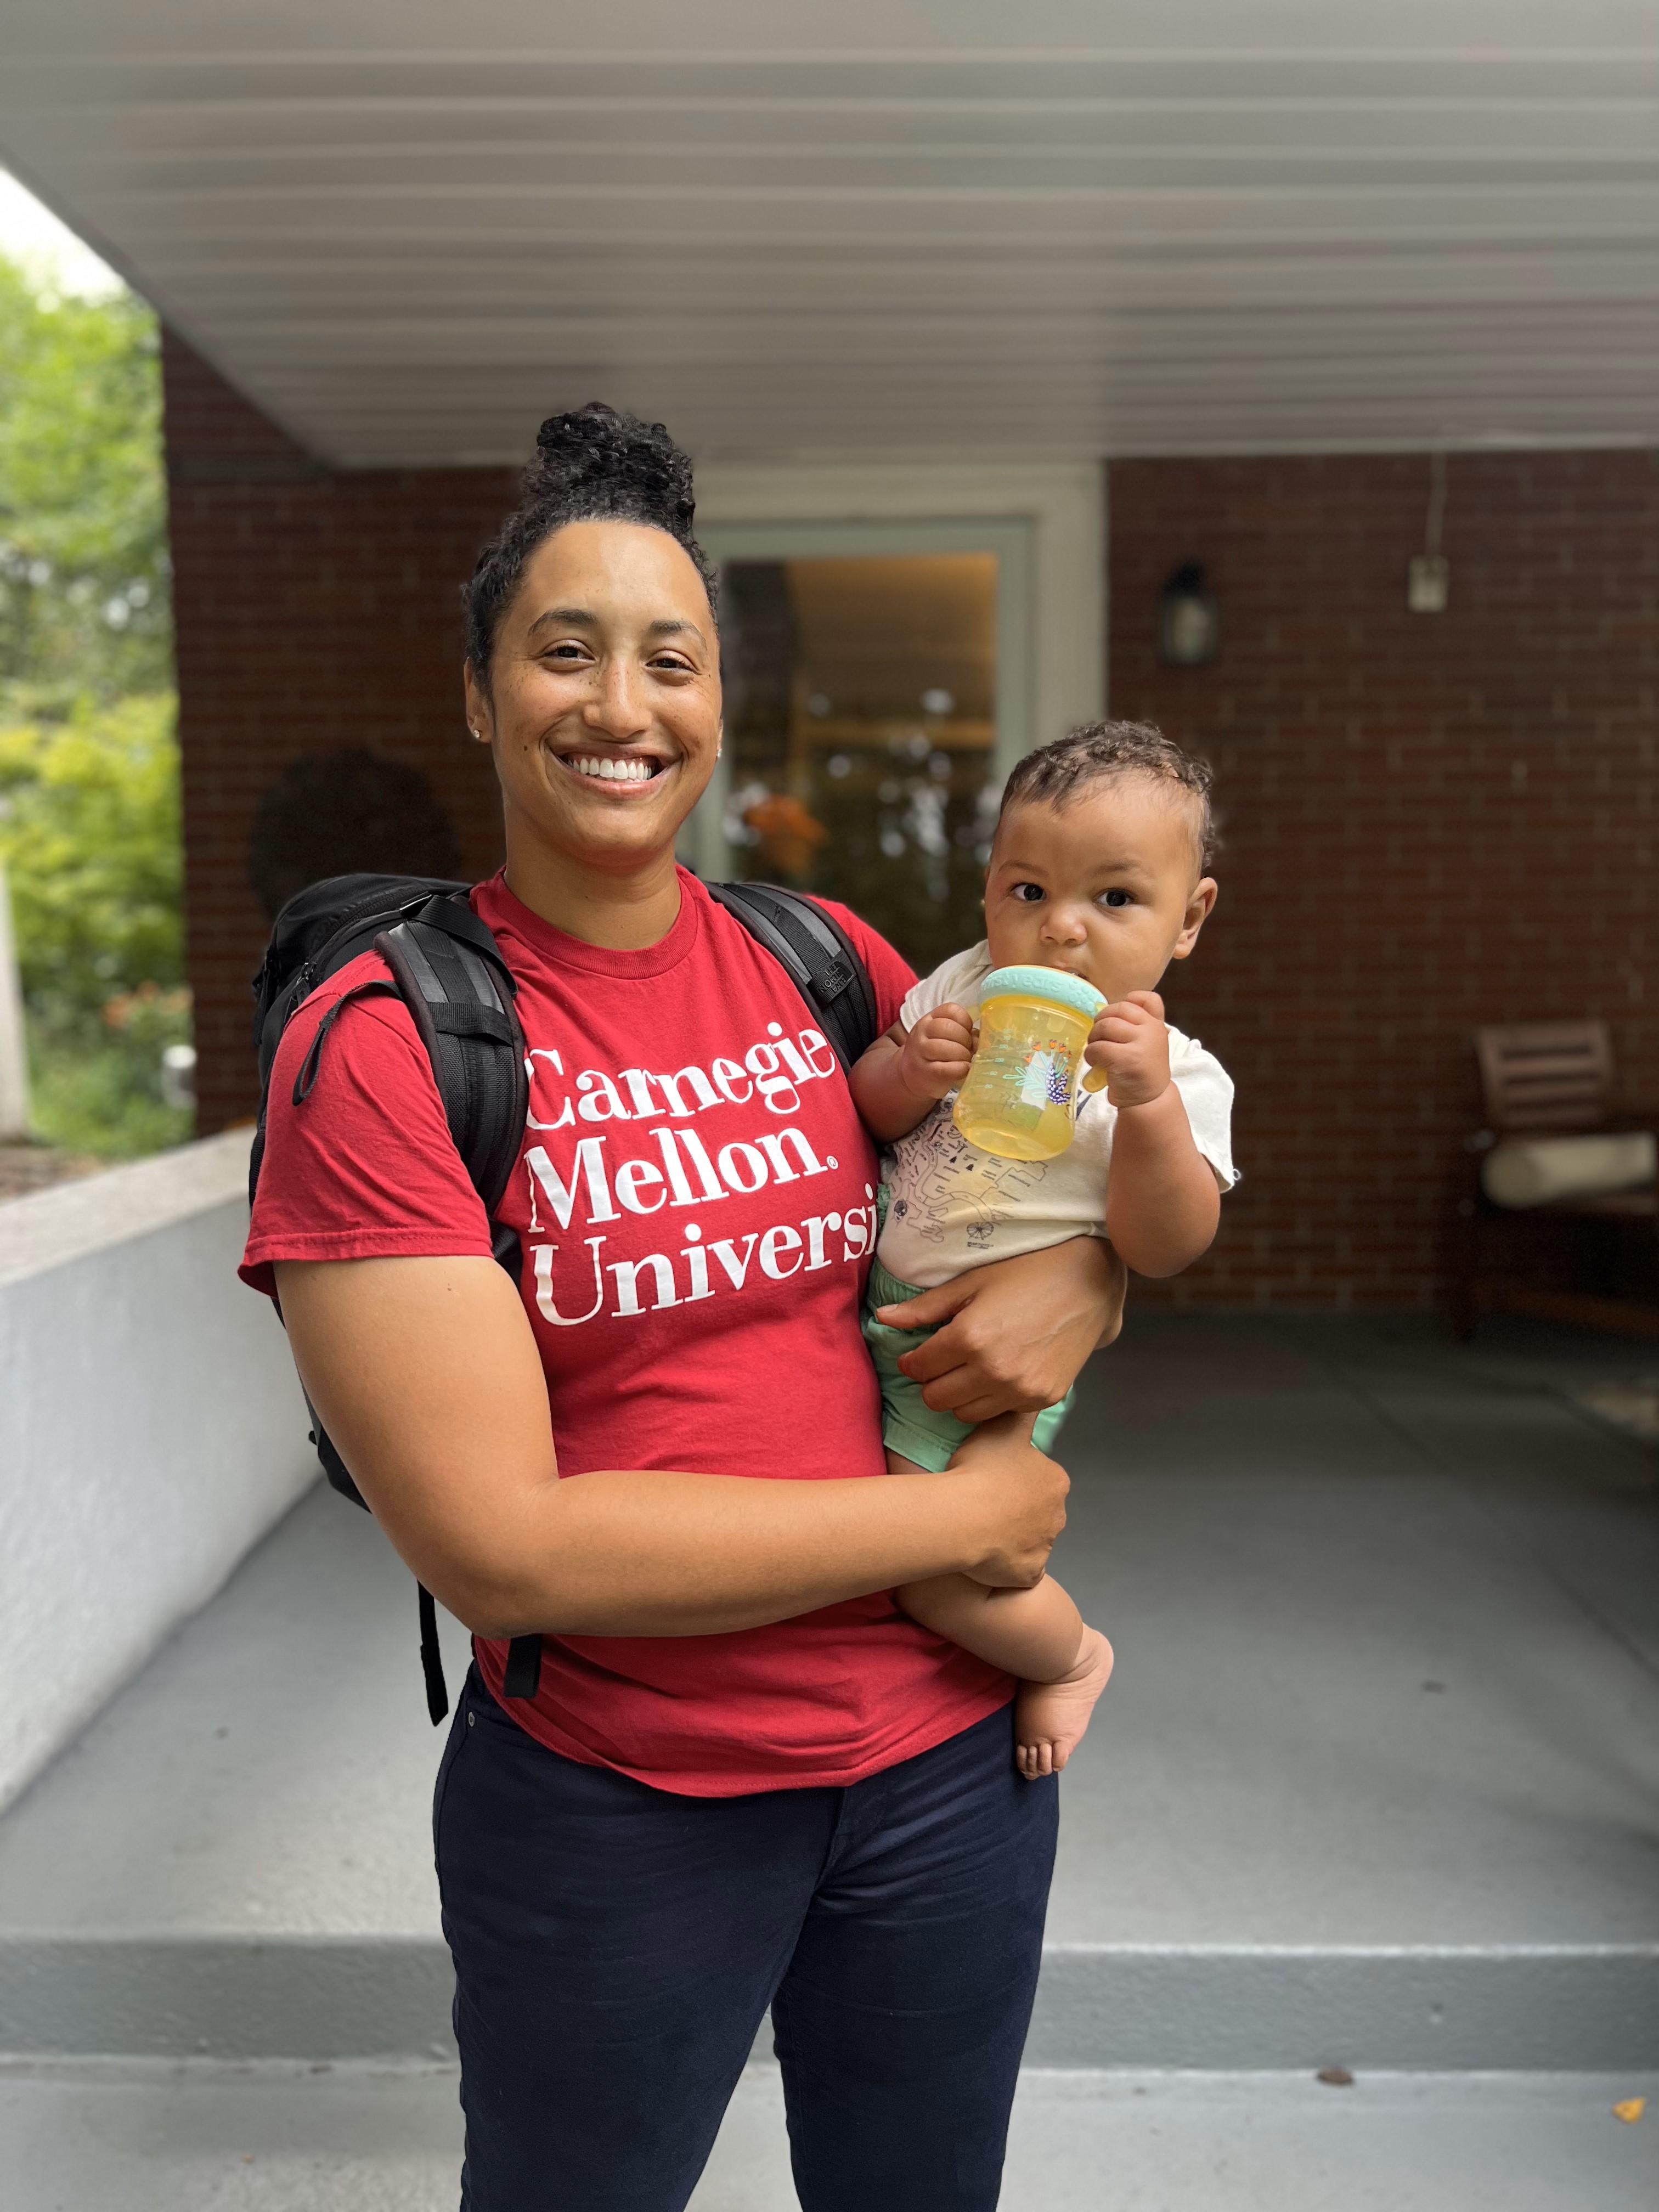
(861, 724)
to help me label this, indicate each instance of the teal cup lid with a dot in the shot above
(1051, 983)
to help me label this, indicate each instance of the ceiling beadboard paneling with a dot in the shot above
(1061, 230)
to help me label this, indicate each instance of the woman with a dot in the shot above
(745, 1777)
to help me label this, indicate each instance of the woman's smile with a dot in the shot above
(617, 775)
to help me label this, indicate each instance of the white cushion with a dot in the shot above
(1533, 1170)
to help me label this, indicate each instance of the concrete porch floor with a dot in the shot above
(1377, 1782)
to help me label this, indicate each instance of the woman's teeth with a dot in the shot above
(611, 770)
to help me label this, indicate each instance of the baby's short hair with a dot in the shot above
(1055, 773)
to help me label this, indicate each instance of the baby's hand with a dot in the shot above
(937, 1053)
(1131, 1043)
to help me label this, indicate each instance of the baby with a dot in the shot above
(1097, 868)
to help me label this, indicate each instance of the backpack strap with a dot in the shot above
(524, 1662)
(432, 1658)
(310, 1066)
(816, 954)
(448, 970)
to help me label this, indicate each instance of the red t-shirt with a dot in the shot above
(694, 1199)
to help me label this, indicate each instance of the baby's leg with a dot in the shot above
(1037, 1634)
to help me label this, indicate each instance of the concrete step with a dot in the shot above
(1377, 1781)
(208, 2137)
(1098, 2005)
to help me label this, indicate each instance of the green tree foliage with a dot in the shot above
(84, 603)
(90, 836)
(90, 833)
(89, 760)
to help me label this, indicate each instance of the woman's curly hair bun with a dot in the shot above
(593, 450)
(592, 464)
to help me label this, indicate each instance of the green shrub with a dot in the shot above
(89, 828)
(84, 599)
(89, 834)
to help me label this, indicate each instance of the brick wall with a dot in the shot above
(1431, 821)
(314, 611)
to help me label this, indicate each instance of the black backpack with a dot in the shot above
(448, 970)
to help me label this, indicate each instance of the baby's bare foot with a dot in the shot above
(1050, 1717)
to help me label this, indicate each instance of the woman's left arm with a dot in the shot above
(1016, 1332)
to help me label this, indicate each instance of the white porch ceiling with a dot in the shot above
(876, 227)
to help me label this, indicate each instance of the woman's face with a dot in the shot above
(604, 703)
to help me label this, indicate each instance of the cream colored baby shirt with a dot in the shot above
(953, 1206)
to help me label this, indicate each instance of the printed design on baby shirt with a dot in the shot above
(943, 1186)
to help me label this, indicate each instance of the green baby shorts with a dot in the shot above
(909, 1426)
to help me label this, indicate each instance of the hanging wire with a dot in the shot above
(1437, 513)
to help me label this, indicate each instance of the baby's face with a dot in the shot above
(1106, 887)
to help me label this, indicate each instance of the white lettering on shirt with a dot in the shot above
(542, 1256)
(676, 1168)
(817, 1256)
(634, 1175)
(639, 1090)
(742, 1168)
(775, 1242)
(565, 1115)
(603, 1101)
(696, 1260)
(651, 1283)
(684, 1194)
(779, 1092)
(590, 1164)
(691, 1144)
(813, 1041)
(702, 1088)
(627, 1273)
(725, 1253)
(808, 1161)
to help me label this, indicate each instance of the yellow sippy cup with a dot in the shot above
(1019, 1098)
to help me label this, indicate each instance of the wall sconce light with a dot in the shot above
(1428, 583)
(1189, 619)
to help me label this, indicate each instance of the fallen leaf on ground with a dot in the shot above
(1631, 2110)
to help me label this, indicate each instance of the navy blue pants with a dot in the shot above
(616, 1950)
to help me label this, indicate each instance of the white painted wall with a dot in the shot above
(151, 1430)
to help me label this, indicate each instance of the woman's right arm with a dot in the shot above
(425, 1374)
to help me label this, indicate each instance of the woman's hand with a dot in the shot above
(1029, 1503)
(1015, 1333)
